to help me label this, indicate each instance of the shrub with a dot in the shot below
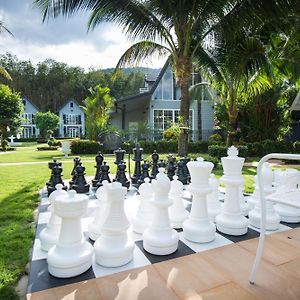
(47, 148)
(53, 142)
(84, 147)
(215, 138)
(207, 157)
(4, 145)
(217, 151)
(297, 147)
(198, 147)
(172, 133)
(8, 149)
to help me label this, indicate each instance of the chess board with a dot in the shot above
(40, 279)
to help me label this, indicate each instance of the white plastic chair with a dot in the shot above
(278, 197)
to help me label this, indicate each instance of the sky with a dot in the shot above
(63, 39)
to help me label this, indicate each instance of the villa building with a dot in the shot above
(158, 105)
(28, 124)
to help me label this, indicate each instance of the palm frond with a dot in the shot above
(4, 73)
(4, 29)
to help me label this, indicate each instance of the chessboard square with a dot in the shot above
(251, 233)
(39, 228)
(280, 229)
(45, 201)
(182, 250)
(44, 217)
(219, 241)
(37, 252)
(40, 279)
(43, 208)
(291, 225)
(139, 260)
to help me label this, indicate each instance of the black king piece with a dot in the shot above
(137, 158)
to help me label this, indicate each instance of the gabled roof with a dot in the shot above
(63, 105)
(296, 103)
(24, 98)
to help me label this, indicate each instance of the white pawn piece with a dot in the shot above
(177, 211)
(95, 226)
(231, 220)
(198, 228)
(72, 255)
(272, 218)
(213, 204)
(114, 248)
(159, 238)
(49, 235)
(144, 214)
(288, 181)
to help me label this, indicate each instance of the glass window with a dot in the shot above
(168, 118)
(71, 104)
(167, 85)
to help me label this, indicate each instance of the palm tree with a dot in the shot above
(164, 28)
(3, 30)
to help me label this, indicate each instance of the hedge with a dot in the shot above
(47, 148)
(8, 149)
(84, 147)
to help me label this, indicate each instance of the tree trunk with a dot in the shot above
(184, 70)
(231, 132)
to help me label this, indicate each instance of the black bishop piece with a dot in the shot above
(155, 158)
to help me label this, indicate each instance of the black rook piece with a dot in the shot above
(155, 158)
(137, 158)
(80, 185)
(56, 179)
(119, 153)
(121, 175)
(73, 173)
(99, 161)
(104, 174)
(145, 173)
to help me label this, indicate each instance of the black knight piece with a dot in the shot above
(104, 174)
(73, 173)
(137, 158)
(185, 160)
(145, 173)
(182, 175)
(56, 179)
(171, 166)
(99, 161)
(155, 158)
(80, 185)
(121, 175)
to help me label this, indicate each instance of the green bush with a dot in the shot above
(53, 142)
(47, 148)
(207, 157)
(4, 145)
(8, 149)
(297, 147)
(198, 147)
(217, 151)
(84, 147)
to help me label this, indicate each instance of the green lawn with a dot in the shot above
(19, 186)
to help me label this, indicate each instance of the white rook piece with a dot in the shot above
(49, 235)
(95, 226)
(177, 211)
(144, 214)
(72, 255)
(288, 181)
(272, 218)
(198, 228)
(213, 204)
(159, 238)
(231, 220)
(114, 248)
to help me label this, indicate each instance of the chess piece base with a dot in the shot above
(272, 220)
(199, 231)
(232, 224)
(69, 262)
(160, 250)
(288, 214)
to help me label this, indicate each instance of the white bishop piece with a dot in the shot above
(144, 214)
(177, 211)
(213, 204)
(95, 226)
(272, 218)
(49, 235)
(288, 180)
(198, 228)
(159, 238)
(231, 221)
(114, 248)
(72, 255)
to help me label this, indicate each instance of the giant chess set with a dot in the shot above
(163, 211)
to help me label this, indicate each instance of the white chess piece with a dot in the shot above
(49, 235)
(245, 207)
(159, 238)
(254, 198)
(95, 226)
(144, 214)
(288, 180)
(231, 220)
(213, 204)
(177, 211)
(72, 255)
(198, 228)
(114, 248)
(272, 218)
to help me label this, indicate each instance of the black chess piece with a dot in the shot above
(182, 176)
(99, 161)
(119, 153)
(56, 179)
(52, 164)
(137, 152)
(171, 167)
(155, 158)
(121, 175)
(73, 173)
(145, 173)
(185, 160)
(104, 174)
(80, 185)
(161, 164)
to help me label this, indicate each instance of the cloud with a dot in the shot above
(65, 40)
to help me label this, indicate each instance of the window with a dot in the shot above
(24, 102)
(71, 104)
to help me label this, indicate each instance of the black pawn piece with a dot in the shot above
(56, 179)
(155, 158)
(104, 174)
(182, 176)
(73, 173)
(145, 173)
(80, 185)
(99, 161)
(121, 175)
(161, 164)
(171, 167)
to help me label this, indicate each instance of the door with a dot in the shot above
(72, 132)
